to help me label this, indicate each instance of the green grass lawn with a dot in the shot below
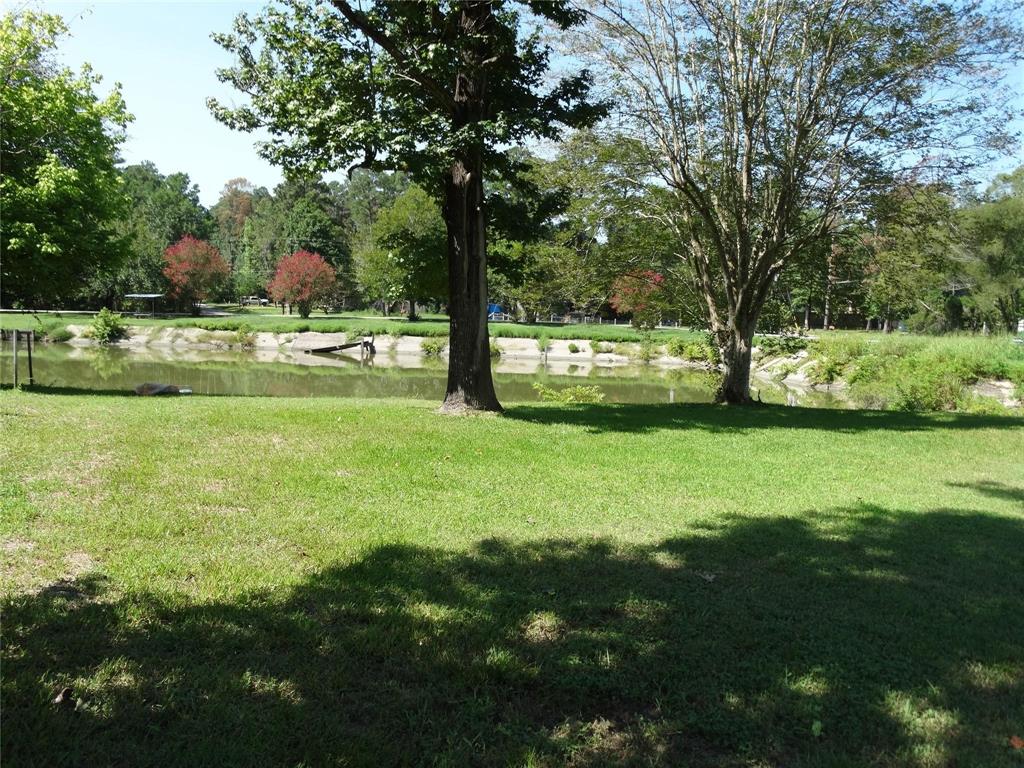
(229, 581)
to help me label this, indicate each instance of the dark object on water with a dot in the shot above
(162, 389)
(365, 346)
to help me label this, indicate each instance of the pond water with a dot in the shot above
(273, 373)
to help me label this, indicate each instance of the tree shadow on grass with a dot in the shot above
(719, 418)
(996, 490)
(864, 636)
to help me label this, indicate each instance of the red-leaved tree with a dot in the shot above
(194, 268)
(302, 279)
(642, 294)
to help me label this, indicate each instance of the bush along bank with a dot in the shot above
(911, 373)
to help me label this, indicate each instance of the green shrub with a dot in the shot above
(776, 315)
(495, 350)
(776, 346)
(647, 349)
(1017, 377)
(579, 393)
(926, 390)
(984, 406)
(693, 350)
(433, 346)
(55, 331)
(842, 349)
(869, 368)
(356, 332)
(245, 337)
(107, 326)
(825, 370)
(573, 347)
(676, 347)
(602, 347)
(543, 342)
(701, 352)
(928, 374)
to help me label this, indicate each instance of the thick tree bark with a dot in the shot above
(470, 386)
(735, 343)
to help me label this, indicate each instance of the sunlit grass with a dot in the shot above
(265, 582)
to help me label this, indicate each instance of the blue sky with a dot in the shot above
(162, 54)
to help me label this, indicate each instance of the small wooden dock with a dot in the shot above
(365, 345)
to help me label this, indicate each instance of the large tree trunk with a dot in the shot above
(470, 386)
(735, 343)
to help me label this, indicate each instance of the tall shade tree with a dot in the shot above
(60, 192)
(439, 90)
(194, 269)
(771, 121)
(405, 256)
(912, 245)
(233, 208)
(366, 194)
(995, 232)
(302, 278)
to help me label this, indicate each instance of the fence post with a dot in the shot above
(31, 339)
(14, 348)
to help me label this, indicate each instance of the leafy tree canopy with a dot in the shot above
(163, 209)
(60, 191)
(302, 278)
(194, 269)
(301, 214)
(771, 121)
(994, 230)
(336, 85)
(405, 257)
